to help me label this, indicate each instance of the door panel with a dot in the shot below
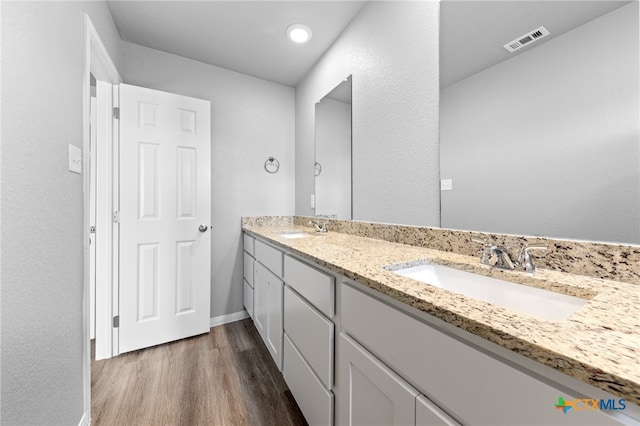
(184, 282)
(268, 310)
(186, 182)
(148, 191)
(371, 393)
(274, 321)
(260, 286)
(165, 193)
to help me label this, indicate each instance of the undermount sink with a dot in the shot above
(293, 235)
(544, 304)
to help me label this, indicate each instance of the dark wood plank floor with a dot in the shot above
(225, 377)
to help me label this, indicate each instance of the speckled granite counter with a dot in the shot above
(599, 344)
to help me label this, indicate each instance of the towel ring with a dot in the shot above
(272, 165)
(318, 169)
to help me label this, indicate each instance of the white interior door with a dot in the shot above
(165, 211)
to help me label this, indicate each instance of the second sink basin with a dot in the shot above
(293, 235)
(544, 304)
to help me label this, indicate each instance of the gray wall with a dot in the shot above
(42, 209)
(548, 142)
(395, 113)
(251, 119)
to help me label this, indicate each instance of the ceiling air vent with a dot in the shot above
(523, 40)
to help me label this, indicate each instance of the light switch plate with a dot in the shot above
(75, 159)
(446, 184)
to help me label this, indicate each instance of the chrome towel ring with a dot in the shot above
(272, 165)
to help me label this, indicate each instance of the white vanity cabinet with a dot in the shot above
(372, 394)
(267, 297)
(462, 383)
(429, 414)
(308, 365)
(247, 282)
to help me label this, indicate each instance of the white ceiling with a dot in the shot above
(249, 36)
(472, 33)
(244, 36)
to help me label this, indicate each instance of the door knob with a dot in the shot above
(203, 228)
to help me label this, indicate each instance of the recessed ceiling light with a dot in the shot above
(299, 33)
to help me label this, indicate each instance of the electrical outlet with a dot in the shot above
(446, 184)
(313, 201)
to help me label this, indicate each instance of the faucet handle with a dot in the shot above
(524, 258)
(320, 227)
(486, 250)
(528, 247)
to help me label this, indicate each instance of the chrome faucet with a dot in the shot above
(486, 251)
(494, 255)
(320, 227)
(498, 257)
(524, 259)
(503, 260)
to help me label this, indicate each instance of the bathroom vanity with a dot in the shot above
(360, 344)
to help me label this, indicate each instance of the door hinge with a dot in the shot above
(116, 321)
(116, 217)
(116, 113)
(92, 229)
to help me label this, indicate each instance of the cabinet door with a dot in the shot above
(260, 290)
(267, 310)
(370, 393)
(248, 298)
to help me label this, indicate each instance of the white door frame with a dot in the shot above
(92, 208)
(97, 62)
(106, 229)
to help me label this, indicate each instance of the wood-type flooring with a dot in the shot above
(225, 377)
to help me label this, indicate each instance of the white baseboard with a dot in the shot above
(85, 420)
(225, 319)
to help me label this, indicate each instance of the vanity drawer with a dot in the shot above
(248, 297)
(314, 400)
(248, 244)
(311, 333)
(248, 268)
(269, 257)
(315, 286)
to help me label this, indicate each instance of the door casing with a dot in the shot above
(97, 62)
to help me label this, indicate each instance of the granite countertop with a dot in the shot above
(599, 344)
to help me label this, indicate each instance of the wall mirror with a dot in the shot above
(543, 140)
(333, 153)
